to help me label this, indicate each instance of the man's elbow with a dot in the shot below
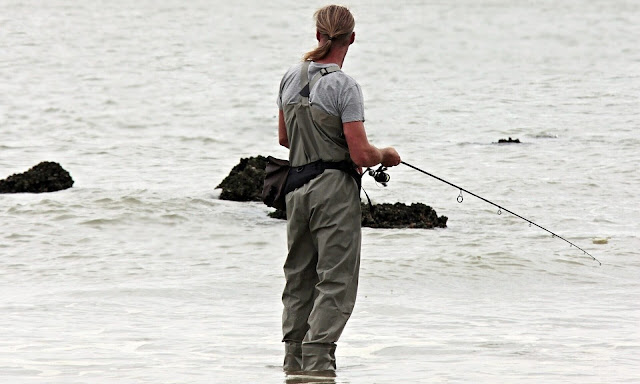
(284, 142)
(366, 158)
(359, 160)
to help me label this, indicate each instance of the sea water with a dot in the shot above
(141, 274)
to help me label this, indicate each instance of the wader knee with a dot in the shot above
(319, 357)
(292, 356)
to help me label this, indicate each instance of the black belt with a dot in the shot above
(299, 176)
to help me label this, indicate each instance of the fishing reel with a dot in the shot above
(379, 175)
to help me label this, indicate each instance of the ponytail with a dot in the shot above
(337, 23)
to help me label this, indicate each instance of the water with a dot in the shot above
(139, 273)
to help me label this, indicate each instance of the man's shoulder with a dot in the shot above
(343, 82)
(290, 76)
(348, 79)
(341, 78)
(293, 70)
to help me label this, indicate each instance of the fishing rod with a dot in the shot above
(380, 175)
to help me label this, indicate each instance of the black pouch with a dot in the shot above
(299, 176)
(275, 181)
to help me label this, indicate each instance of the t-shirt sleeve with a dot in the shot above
(279, 100)
(352, 104)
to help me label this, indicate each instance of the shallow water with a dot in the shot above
(139, 273)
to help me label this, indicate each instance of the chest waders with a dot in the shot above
(323, 236)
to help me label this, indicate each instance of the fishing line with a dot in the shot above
(460, 199)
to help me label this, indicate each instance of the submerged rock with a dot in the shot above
(509, 140)
(47, 176)
(244, 183)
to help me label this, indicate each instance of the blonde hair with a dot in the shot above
(337, 23)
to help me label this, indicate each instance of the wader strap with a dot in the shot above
(306, 85)
(323, 72)
(371, 207)
(304, 74)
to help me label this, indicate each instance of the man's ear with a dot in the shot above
(353, 38)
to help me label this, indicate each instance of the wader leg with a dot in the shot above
(335, 225)
(292, 356)
(319, 357)
(300, 274)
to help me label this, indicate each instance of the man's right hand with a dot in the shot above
(390, 157)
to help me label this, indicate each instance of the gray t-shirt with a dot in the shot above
(337, 93)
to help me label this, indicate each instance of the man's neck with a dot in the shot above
(336, 56)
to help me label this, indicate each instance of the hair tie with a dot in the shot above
(332, 37)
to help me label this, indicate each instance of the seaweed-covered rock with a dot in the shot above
(244, 182)
(47, 176)
(509, 141)
(398, 215)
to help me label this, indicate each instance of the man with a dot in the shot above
(321, 121)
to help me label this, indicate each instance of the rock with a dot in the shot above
(244, 182)
(45, 177)
(510, 140)
(398, 215)
(278, 214)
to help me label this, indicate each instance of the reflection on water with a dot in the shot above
(310, 377)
